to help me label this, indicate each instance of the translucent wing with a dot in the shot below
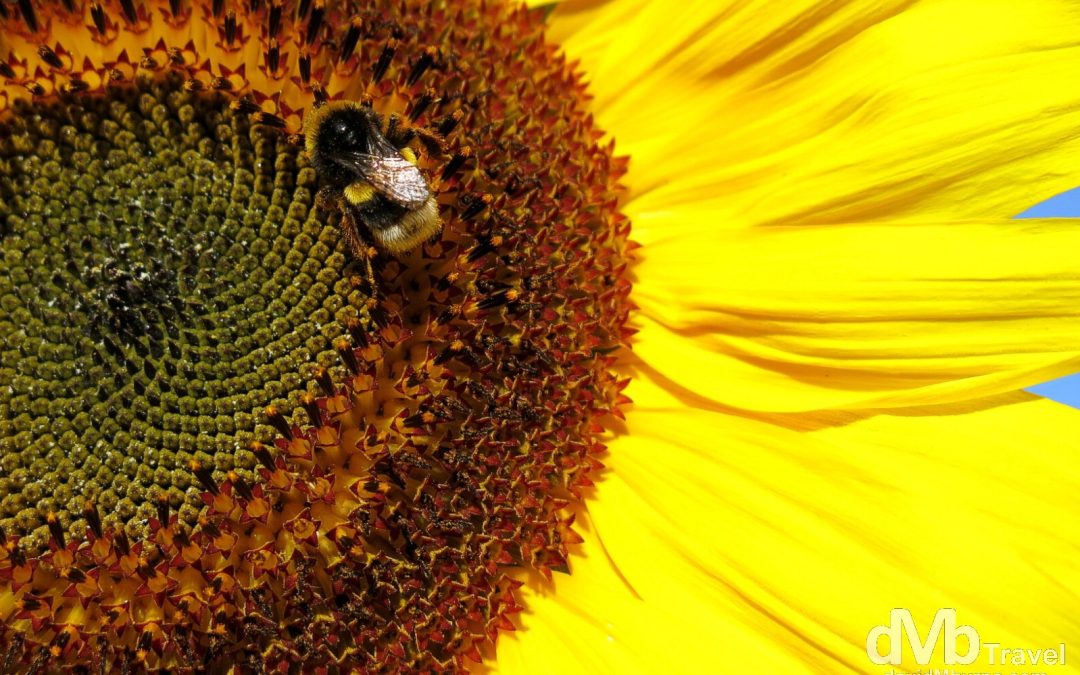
(393, 176)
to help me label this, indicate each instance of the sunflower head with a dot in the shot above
(220, 444)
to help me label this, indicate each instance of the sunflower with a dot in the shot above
(224, 446)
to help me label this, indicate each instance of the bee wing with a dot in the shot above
(393, 176)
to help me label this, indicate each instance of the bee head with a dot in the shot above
(347, 128)
(338, 127)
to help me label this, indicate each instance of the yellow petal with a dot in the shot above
(810, 111)
(593, 621)
(855, 316)
(750, 547)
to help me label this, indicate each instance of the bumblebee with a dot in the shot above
(377, 187)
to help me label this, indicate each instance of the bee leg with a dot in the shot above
(358, 245)
(325, 200)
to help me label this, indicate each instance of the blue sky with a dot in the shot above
(1067, 389)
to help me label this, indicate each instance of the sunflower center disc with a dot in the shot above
(292, 475)
(164, 278)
